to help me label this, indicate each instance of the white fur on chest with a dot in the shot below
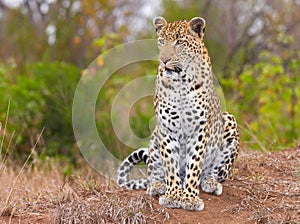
(178, 103)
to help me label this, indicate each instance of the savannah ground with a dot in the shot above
(264, 188)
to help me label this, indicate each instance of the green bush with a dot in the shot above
(41, 98)
(267, 102)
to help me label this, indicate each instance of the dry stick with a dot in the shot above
(4, 159)
(23, 167)
(5, 126)
(250, 132)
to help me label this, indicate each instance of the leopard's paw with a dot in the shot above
(170, 201)
(192, 203)
(212, 186)
(157, 188)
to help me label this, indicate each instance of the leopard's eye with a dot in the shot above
(160, 42)
(179, 42)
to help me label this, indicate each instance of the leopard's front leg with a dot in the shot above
(196, 148)
(169, 150)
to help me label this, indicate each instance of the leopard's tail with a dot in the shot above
(123, 180)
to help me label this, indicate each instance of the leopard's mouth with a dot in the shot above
(175, 69)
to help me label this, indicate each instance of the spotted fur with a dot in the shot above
(194, 144)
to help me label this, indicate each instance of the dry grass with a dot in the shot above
(32, 192)
(101, 205)
(43, 193)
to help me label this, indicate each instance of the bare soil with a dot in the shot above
(264, 188)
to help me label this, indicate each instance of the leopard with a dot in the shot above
(194, 144)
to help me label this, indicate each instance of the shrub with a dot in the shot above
(42, 98)
(267, 103)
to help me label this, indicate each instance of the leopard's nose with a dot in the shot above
(165, 60)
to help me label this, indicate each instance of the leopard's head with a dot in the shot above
(179, 42)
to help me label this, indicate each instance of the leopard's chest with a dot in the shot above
(178, 108)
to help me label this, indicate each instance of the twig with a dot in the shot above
(6, 153)
(250, 132)
(5, 127)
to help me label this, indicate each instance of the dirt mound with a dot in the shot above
(264, 188)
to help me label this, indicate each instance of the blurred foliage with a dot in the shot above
(267, 102)
(254, 46)
(140, 113)
(41, 97)
(62, 30)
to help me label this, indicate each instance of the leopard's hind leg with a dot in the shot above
(156, 176)
(221, 165)
(231, 146)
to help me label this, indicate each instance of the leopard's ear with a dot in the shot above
(159, 22)
(197, 26)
